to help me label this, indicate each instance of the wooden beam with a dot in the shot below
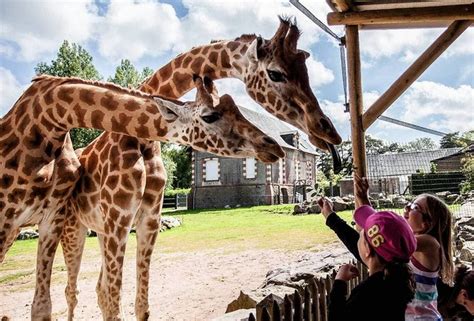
(403, 16)
(414, 71)
(355, 103)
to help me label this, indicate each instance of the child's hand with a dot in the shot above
(326, 206)
(347, 272)
(362, 189)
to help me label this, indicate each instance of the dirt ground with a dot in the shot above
(184, 286)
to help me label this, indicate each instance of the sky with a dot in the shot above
(150, 33)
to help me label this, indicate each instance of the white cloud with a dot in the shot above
(218, 19)
(38, 27)
(133, 29)
(439, 107)
(318, 74)
(10, 90)
(408, 44)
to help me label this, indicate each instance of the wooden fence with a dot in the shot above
(311, 305)
(175, 201)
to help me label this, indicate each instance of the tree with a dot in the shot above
(420, 144)
(73, 61)
(170, 168)
(457, 140)
(468, 171)
(182, 158)
(126, 75)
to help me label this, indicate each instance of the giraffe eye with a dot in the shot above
(215, 116)
(276, 76)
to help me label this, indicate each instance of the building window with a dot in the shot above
(309, 170)
(250, 168)
(211, 169)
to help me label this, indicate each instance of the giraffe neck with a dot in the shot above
(223, 59)
(52, 106)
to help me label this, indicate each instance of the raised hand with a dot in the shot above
(361, 189)
(326, 206)
(347, 272)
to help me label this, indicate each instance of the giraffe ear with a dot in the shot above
(303, 53)
(167, 109)
(255, 50)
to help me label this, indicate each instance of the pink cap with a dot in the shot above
(388, 233)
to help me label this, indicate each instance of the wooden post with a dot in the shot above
(355, 103)
(414, 71)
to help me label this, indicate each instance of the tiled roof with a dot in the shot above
(382, 165)
(274, 127)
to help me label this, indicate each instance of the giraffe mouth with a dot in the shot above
(267, 157)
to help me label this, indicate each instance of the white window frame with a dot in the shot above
(211, 174)
(250, 168)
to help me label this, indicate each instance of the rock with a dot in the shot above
(170, 221)
(314, 209)
(467, 252)
(385, 203)
(238, 205)
(27, 235)
(464, 233)
(453, 198)
(399, 201)
(237, 315)
(227, 206)
(299, 209)
(286, 279)
(338, 204)
(443, 195)
(250, 299)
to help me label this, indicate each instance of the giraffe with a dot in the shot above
(275, 76)
(34, 131)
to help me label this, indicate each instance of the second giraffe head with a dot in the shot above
(219, 129)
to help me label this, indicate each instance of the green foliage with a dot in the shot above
(73, 61)
(181, 156)
(170, 167)
(468, 171)
(126, 75)
(457, 140)
(81, 137)
(420, 144)
(177, 191)
(433, 168)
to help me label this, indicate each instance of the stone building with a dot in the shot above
(390, 173)
(453, 162)
(221, 181)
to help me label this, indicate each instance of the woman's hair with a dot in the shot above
(399, 277)
(441, 229)
(464, 280)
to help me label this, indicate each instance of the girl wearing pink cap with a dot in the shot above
(385, 244)
(430, 220)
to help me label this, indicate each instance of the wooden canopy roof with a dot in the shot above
(383, 14)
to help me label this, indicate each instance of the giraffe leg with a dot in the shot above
(147, 225)
(147, 228)
(72, 242)
(113, 245)
(50, 230)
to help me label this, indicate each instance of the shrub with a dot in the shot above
(178, 191)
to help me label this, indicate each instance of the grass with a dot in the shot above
(258, 227)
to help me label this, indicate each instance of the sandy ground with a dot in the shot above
(184, 286)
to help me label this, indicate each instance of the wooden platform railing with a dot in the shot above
(311, 305)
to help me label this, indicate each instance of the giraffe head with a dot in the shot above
(277, 78)
(217, 128)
